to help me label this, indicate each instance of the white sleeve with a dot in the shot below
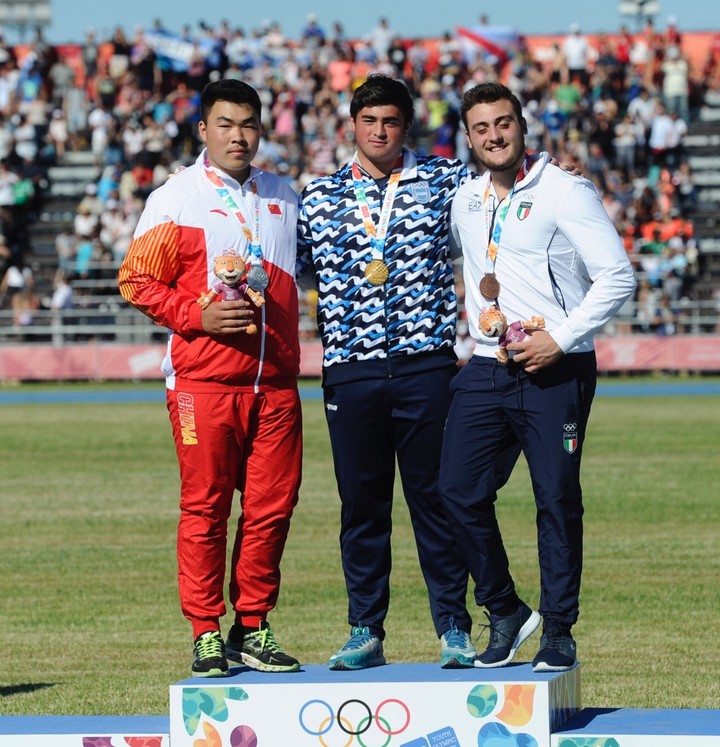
(586, 225)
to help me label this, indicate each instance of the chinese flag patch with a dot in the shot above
(274, 209)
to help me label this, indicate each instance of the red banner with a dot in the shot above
(107, 362)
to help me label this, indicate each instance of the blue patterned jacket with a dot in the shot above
(407, 324)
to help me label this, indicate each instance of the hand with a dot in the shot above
(227, 317)
(537, 351)
(565, 166)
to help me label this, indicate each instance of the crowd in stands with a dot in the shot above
(618, 106)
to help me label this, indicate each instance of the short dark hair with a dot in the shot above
(489, 93)
(382, 90)
(232, 90)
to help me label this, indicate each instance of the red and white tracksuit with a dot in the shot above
(232, 400)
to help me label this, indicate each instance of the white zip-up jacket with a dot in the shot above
(559, 256)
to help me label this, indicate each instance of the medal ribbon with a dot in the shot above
(253, 237)
(495, 219)
(376, 235)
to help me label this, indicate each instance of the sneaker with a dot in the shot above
(362, 650)
(506, 636)
(209, 654)
(259, 650)
(558, 650)
(457, 649)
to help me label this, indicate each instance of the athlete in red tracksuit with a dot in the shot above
(232, 396)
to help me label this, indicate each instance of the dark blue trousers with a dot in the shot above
(372, 422)
(547, 413)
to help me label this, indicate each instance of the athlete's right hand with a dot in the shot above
(227, 317)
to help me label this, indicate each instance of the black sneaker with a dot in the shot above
(209, 654)
(259, 650)
(506, 635)
(558, 650)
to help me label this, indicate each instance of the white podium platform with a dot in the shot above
(403, 705)
(84, 731)
(638, 727)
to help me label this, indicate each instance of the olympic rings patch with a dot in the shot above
(355, 718)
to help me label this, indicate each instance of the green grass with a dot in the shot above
(88, 604)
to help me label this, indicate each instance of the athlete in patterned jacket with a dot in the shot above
(373, 238)
(232, 396)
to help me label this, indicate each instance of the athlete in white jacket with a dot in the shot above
(538, 247)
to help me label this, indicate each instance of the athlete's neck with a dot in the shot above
(504, 180)
(378, 169)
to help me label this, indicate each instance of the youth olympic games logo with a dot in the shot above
(355, 718)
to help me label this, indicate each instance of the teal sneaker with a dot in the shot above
(457, 648)
(209, 654)
(363, 650)
(259, 650)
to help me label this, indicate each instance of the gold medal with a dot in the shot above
(489, 287)
(377, 272)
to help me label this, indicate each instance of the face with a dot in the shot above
(496, 136)
(232, 136)
(379, 135)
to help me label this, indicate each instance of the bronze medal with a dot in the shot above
(377, 272)
(489, 287)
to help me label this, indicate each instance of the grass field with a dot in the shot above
(88, 605)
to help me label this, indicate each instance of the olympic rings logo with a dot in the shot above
(570, 427)
(346, 712)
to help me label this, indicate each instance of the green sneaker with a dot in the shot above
(210, 658)
(259, 650)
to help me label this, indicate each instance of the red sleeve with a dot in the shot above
(146, 280)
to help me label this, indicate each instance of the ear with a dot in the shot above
(202, 131)
(523, 124)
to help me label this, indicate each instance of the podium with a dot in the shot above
(84, 731)
(640, 727)
(403, 705)
(396, 705)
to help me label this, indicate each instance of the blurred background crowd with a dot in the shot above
(618, 106)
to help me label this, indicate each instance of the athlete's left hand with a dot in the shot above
(537, 351)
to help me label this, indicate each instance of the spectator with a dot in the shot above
(58, 134)
(576, 51)
(675, 85)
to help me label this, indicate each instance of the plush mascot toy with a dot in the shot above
(231, 271)
(493, 323)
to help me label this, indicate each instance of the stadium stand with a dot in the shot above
(88, 130)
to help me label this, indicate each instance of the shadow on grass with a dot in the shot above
(29, 687)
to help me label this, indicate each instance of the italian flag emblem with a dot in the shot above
(524, 210)
(570, 442)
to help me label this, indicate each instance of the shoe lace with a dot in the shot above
(266, 639)
(454, 637)
(554, 633)
(209, 646)
(358, 638)
(495, 633)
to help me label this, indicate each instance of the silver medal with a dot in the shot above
(257, 278)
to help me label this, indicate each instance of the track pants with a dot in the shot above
(547, 413)
(225, 442)
(370, 422)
